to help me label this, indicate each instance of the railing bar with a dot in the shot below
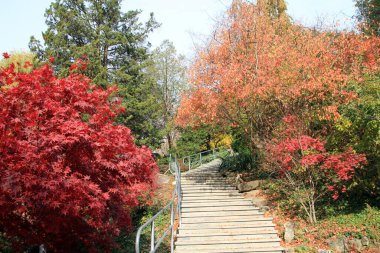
(174, 204)
(155, 216)
(172, 214)
(159, 241)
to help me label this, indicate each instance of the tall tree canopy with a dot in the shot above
(258, 70)
(115, 45)
(280, 87)
(369, 14)
(169, 71)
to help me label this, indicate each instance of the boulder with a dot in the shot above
(290, 250)
(338, 245)
(247, 186)
(264, 208)
(355, 244)
(324, 251)
(259, 202)
(289, 232)
(365, 241)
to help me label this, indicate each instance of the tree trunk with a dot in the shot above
(168, 136)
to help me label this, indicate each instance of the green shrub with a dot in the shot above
(359, 128)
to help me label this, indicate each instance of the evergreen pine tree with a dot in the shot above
(115, 45)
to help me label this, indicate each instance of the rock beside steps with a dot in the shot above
(217, 219)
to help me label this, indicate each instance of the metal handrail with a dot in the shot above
(174, 205)
(207, 151)
(177, 195)
(198, 161)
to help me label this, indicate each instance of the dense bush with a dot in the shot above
(309, 170)
(240, 162)
(201, 138)
(69, 177)
(359, 128)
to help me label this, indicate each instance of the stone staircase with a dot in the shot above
(217, 219)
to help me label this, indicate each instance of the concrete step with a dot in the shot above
(201, 172)
(230, 246)
(201, 199)
(211, 193)
(206, 199)
(196, 220)
(203, 169)
(227, 231)
(218, 208)
(193, 185)
(201, 184)
(204, 182)
(221, 213)
(198, 199)
(255, 250)
(225, 225)
(211, 180)
(207, 187)
(228, 241)
(192, 238)
(203, 176)
(216, 203)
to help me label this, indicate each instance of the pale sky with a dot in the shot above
(183, 21)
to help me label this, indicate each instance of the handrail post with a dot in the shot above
(152, 238)
(172, 228)
(213, 153)
(189, 163)
(200, 157)
(179, 194)
(170, 163)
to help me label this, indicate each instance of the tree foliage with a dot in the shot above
(369, 15)
(169, 71)
(23, 61)
(115, 45)
(69, 177)
(18, 62)
(251, 78)
(310, 172)
(259, 69)
(201, 138)
(359, 128)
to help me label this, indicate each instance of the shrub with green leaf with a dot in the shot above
(359, 128)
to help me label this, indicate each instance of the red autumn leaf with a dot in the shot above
(63, 179)
(6, 55)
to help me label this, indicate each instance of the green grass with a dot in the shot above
(365, 222)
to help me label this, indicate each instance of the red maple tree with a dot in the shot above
(69, 177)
(308, 170)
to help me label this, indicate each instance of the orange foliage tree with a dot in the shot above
(260, 67)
